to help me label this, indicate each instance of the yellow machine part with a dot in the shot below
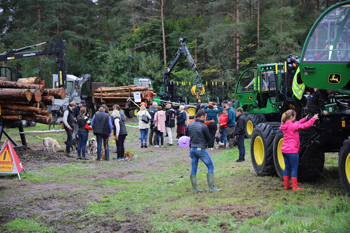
(193, 90)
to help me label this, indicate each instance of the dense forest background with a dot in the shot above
(224, 36)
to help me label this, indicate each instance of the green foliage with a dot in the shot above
(25, 225)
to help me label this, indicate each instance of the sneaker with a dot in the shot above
(170, 144)
(239, 161)
(115, 158)
(221, 143)
(156, 146)
(70, 155)
(161, 146)
(107, 159)
(121, 159)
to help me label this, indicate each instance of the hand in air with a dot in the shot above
(316, 116)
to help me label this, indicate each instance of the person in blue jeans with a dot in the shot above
(102, 126)
(212, 113)
(200, 137)
(240, 133)
(83, 133)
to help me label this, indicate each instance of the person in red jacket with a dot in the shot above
(223, 128)
(291, 144)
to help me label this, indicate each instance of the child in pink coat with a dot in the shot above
(291, 144)
(159, 121)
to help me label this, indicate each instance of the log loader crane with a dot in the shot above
(168, 90)
(329, 36)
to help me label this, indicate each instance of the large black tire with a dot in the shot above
(278, 159)
(311, 156)
(261, 148)
(344, 166)
(252, 121)
(127, 113)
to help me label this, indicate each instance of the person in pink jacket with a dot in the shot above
(159, 121)
(291, 144)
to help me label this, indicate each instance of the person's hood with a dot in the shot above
(286, 125)
(161, 113)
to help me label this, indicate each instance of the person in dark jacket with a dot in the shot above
(102, 126)
(198, 106)
(170, 122)
(83, 133)
(212, 114)
(316, 102)
(76, 113)
(181, 122)
(120, 134)
(240, 133)
(200, 137)
(152, 134)
(68, 121)
(231, 124)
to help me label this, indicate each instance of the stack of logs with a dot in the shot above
(119, 95)
(26, 99)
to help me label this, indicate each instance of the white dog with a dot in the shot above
(91, 146)
(51, 144)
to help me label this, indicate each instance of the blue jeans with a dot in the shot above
(69, 140)
(223, 137)
(203, 155)
(160, 135)
(99, 139)
(83, 137)
(291, 160)
(144, 135)
(240, 145)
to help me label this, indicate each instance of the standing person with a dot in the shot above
(199, 103)
(152, 134)
(240, 133)
(116, 108)
(83, 133)
(231, 124)
(181, 122)
(120, 134)
(76, 113)
(316, 101)
(159, 121)
(223, 128)
(143, 126)
(170, 122)
(187, 120)
(200, 137)
(68, 121)
(212, 114)
(291, 144)
(102, 126)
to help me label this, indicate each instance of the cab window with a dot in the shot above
(246, 82)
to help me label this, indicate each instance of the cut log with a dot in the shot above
(123, 89)
(36, 95)
(58, 93)
(9, 84)
(30, 80)
(18, 94)
(12, 117)
(38, 118)
(13, 112)
(22, 107)
(48, 100)
(9, 101)
(4, 79)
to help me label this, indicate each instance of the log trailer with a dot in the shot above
(330, 34)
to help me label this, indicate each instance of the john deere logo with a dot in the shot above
(334, 78)
(250, 97)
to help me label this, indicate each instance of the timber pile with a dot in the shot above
(26, 99)
(119, 95)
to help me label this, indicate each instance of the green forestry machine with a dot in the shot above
(271, 95)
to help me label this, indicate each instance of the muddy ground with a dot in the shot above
(21, 199)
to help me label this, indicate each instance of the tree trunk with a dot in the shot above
(203, 15)
(36, 95)
(12, 117)
(279, 51)
(163, 29)
(31, 80)
(48, 100)
(58, 93)
(18, 94)
(195, 27)
(28, 109)
(237, 40)
(106, 18)
(258, 25)
(58, 19)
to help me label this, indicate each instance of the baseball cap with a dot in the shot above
(83, 102)
(225, 102)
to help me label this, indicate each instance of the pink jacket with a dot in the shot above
(159, 120)
(291, 140)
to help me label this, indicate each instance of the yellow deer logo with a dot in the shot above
(250, 98)
(334, 78)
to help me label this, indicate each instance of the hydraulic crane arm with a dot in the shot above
(56, 49)
(169, 88)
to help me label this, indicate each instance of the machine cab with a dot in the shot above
(325, 59)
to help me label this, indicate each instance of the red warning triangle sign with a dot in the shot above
(9, 161)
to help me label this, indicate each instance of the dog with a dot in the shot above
(91, 146)
(129, 155)
(74, 146)
(217, 140)
(50, 144)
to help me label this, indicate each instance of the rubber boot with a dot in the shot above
(145, 146)
(286, 183)
(141, 145)
(194, 184)
(295, 183)
(210, 178)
